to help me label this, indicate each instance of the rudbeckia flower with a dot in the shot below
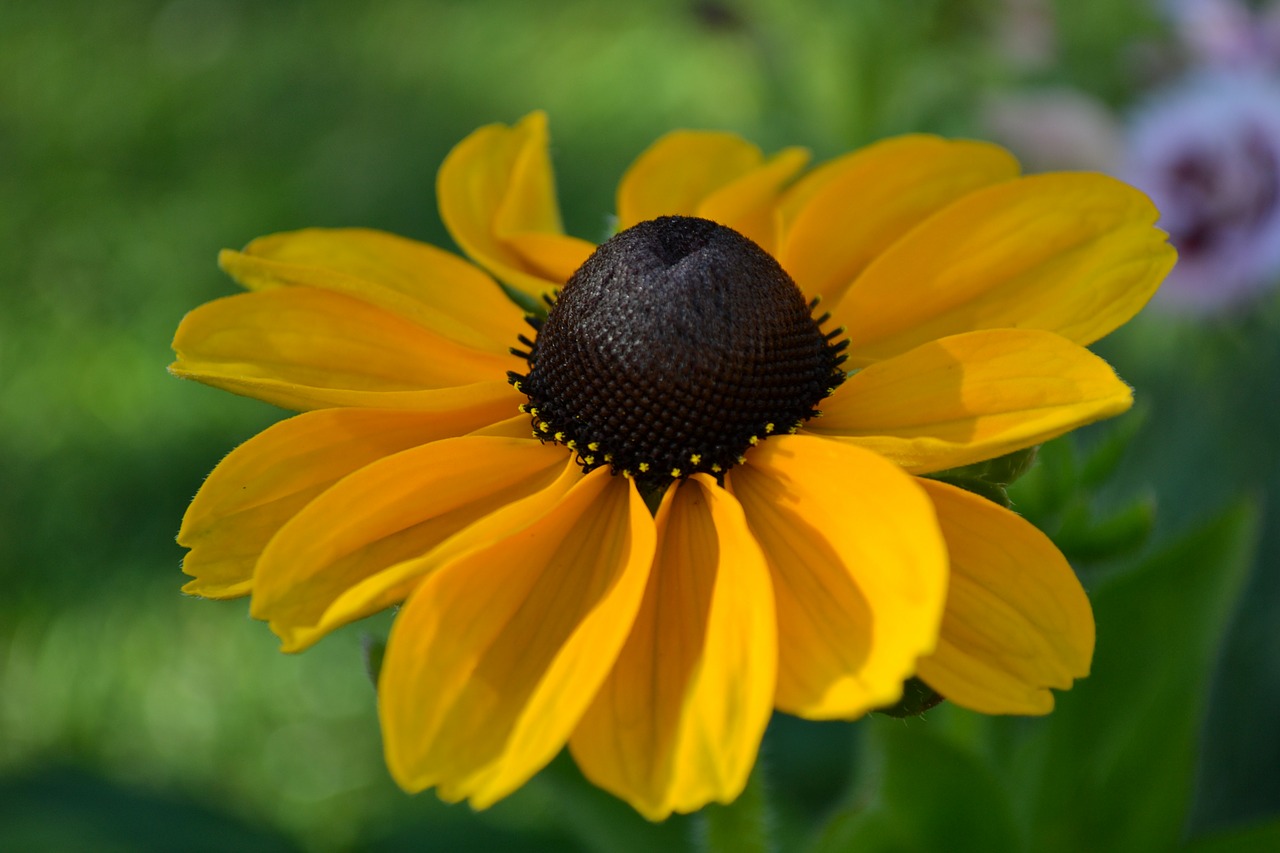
(638, 522)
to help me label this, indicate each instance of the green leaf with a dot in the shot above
(374, 649)
(1083, 539)
(743, 826)
(990, 478)
(923, 794)
(1112, 769)
(991, 491)
(600, 822)
(1105, 456)
(1049, 486)
(1265, 836)
(1002, 470)
(917, 697)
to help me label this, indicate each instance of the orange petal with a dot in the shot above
(495, 657)
(1017, 621)
(680, 171)
(841, 216)
(679, 720)
(395, 510)
(497, 197)
(429, 286)
(971, 397)
(748, 204)
(309, 348)
(859, 571)
(1071, 253)
(265, 481)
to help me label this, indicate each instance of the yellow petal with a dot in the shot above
(494, 658)
(676, 174)
(748, 204)
(265, 481)
(859, 571)
(679, 720)
(1073, 253)
(305, 347)
(971, 397)
(556, 256)
(844, 214)
(429, 286)
(392, 585)
(394, 510)
(1017, 621)
(495, 189)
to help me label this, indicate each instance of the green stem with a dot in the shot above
(743, 826)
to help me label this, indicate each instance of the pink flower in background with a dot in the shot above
(1052, 129)
(1208, 153)
(1227, 34)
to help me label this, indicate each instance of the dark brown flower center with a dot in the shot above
(676, 347)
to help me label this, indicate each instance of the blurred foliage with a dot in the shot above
(1057, 494)
(139, 137)
(1111, 769)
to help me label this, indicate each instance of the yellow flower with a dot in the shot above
(790, 562)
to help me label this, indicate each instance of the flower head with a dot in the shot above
(675, 348)
(1208, 153)
(1228, 35)
(632, 532)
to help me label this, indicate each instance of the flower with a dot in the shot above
(1227, 35)
(1208, 152)
(652, 619)
(1055, 128)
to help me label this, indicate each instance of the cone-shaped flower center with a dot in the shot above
(677, 346)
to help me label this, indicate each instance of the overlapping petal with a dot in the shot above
(1073, 253)
(1017, 621)
(431, 287)
(844, 214)
(679, 720)
(396, 510)
(497, 197)
(265, 481)
(305, 348)
(494, 659)
(971, 397)
(675, 174)
(713, 175)
(859, 571)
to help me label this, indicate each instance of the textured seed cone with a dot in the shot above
(677, 346)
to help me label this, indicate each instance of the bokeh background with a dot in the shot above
(138, 137)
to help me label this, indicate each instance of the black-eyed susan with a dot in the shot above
(621, 524)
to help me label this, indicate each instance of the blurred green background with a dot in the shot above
(137, 138)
